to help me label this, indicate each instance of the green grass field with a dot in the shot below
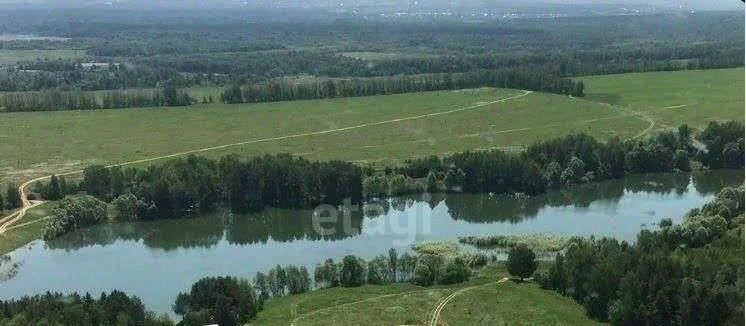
(39, 143)
(9, 57)
(484, 303)
(674, 98)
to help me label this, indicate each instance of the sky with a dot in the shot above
(692, 4)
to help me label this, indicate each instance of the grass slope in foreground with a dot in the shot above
(40, 143)
(485, 303)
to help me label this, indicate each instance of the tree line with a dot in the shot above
(53, 100)
(564, 162)
(305, 89)
(194, 184)
(115, 308)
(687, 274)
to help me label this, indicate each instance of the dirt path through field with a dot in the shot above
(435, 316)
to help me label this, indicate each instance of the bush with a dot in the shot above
(378, 270)
(226, 301)
(427, 271)
(456, 271)
(521, 262)
(352, 272)
(376, 186)
(73, 213)
(128, 207)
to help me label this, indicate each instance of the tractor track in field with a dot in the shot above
(308, 314)
(435, 315)
(7, 221)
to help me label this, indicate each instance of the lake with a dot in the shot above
(157, 260)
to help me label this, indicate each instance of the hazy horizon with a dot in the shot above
(331, 4)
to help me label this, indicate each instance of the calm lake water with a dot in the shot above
(157, 260)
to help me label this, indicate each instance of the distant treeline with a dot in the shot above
(144, 52)
(221, 69)
(687, 274)
(292, 89)
(76, 100)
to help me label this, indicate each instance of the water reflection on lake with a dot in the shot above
(156, 260)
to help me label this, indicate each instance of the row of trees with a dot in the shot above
(195, 185)
(688, 274)
(304, 89)
(113, 77)
(570, 160)
(77, 100)
(115, 308)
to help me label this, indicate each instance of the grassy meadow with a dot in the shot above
(39, 143)
(485, 303)
(672, 98)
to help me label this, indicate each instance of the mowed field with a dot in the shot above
(484, 300)
(378, 129)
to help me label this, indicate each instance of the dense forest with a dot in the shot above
(346, 56)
